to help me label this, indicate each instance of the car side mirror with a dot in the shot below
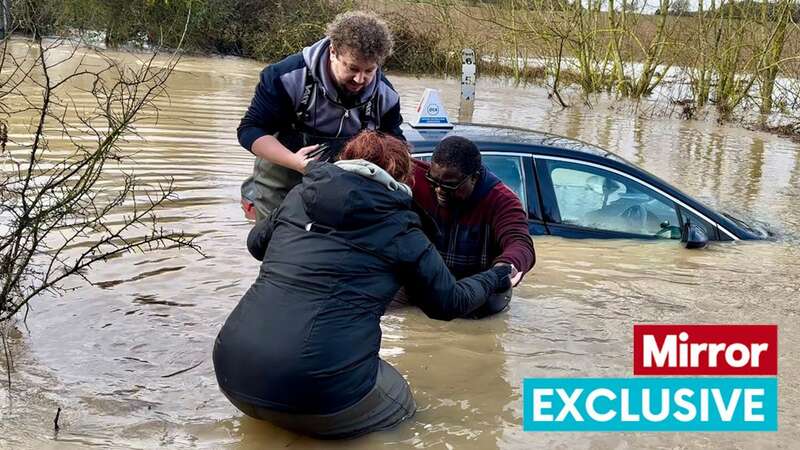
(693, 236)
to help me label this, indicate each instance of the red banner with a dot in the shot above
(705, 349)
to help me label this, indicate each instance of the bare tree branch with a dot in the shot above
(56, 219)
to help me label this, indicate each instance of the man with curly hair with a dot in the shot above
(309, 104)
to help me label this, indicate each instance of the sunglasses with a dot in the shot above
(445, 186)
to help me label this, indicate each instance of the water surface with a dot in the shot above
(106, 353)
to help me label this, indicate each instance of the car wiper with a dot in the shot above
(738, 221)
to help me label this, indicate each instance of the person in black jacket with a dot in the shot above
(301, 348)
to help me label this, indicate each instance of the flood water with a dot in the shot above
(106, 354)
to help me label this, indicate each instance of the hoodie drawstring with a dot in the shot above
(341, 123)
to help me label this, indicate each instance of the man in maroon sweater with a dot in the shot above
(480, 221)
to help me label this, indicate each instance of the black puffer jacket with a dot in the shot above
(305, 337)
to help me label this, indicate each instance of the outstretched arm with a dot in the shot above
(432, 286)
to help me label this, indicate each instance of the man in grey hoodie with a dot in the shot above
(310, 103)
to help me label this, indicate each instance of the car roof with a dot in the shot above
(424, 139)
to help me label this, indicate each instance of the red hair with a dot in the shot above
(388, 152)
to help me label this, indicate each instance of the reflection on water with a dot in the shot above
(114, 356)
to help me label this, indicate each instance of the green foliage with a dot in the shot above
(260, 29)
(256, 28)
(417, 50)
(751, 9)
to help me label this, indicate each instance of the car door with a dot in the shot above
(587, 200)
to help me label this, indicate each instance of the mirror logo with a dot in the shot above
(677, 403)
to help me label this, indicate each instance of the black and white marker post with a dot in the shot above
(467, 104)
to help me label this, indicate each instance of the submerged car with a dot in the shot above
(577, 190)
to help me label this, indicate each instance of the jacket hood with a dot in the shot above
(343, 200)
(316, 56)
(484, 185)
(373, 172)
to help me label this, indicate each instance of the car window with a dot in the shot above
(594, 198)
(507, 168)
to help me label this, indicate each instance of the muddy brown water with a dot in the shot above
(104, 353)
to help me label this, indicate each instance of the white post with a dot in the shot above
(467, 104)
